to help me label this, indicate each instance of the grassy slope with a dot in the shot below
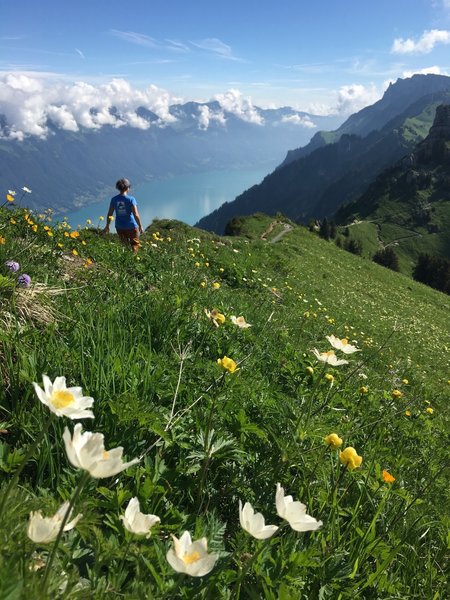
(132, 331)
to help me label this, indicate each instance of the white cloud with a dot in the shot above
(424, 45)
(215, 46)
(347, 100)
(206, 115)
(28, 102)
(296, 119)
(139, 39)
(80, 53)
(241, 106)
(434, 70)
(352, 98)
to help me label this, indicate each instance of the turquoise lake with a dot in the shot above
(184, 197)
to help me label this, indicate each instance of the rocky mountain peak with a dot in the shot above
(435, 147)
(441, 125)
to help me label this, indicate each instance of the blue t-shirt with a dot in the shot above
(122, 207)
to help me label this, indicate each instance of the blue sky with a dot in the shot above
(321, 56)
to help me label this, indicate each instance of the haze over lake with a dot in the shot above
(184, 197)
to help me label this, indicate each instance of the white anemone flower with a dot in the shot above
(329, 358)
(87, 451)
(253, 523)
(191, 557)
(136, 522)
(240, 322)
(294, 512)
(43, 530)
(64, 401)
(342, 345)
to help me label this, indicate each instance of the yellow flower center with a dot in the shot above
(105, 455)
(62, 399)
(191, 557)
(344, 341)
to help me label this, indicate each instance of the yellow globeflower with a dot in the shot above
(9, 198)
(228, 364)
(405, 381)
(216, 285)
(75, 252)
(430, 410)
(407, 413)
(350, 458)
(12, 221)
(396, 394)
(364, 389)
(203, 284)
(333, 440)
(329, 377)
(34, 228)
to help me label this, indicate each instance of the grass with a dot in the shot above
(132, 331)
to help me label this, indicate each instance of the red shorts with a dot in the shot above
(130, 237)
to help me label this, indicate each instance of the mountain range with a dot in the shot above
(336, 167)
(69, 169)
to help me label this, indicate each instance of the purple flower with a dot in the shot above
(12, 265)
(24, 280)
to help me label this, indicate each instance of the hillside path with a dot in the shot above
(286, 228)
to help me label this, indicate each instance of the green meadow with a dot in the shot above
(217, 413)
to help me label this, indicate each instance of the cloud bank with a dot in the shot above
(424, 45)
(27, 104)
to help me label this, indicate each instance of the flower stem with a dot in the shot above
(122, 562)
(83, 480)
(31, 450)
(207, 446)
(244, 570)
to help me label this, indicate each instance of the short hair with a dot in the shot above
(123, 184)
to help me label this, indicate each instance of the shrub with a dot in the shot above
(387, 258)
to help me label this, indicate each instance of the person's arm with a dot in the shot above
(135, 212)
(108, 218)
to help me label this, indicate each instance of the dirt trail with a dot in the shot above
(286, 229)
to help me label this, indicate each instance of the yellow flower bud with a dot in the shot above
(350, 458)
(333, 440)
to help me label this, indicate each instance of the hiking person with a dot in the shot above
(128, 221)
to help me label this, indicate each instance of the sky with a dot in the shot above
(62, 58)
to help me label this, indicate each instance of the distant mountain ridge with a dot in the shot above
(336, 167)
(70, 169)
